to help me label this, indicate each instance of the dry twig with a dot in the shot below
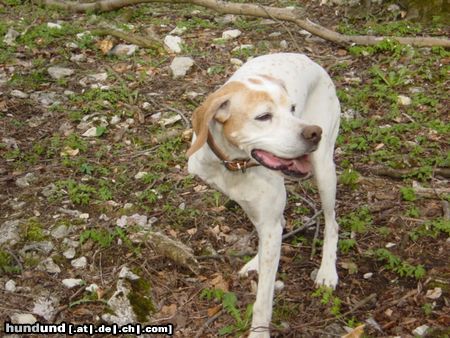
(284, 14)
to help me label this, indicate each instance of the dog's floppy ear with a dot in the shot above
(215, 106)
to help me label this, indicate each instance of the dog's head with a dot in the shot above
(257, 116)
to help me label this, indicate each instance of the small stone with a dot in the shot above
(421, 330)
(178, 31)
(231, 34)
(24, 181)
(390, 245)
(84, 216)
(404, 100)
(368, 275)
(225, 19)
(61, 231)
(91, 132)
(275, 34)
(50, 266)
(9, 232)
(128, 205)
(146, 106)
(69, 253)
(10, 37)
(156, 117)
(393, 8)
(103, 217)
(23, 318)
(54, 25)
(170, 120)
(72, 282)
(115, 120)
(180, 66)
(140, 174)
(78, 58)
(79, 263)
(19, 94)
(173, 43)
(313, 274)
(92, 288)
(236, 62)
(284, 44)
(60, 72)
(279, 285)
(125, 272)
(124, 50)
(10, 286)
(45, 246)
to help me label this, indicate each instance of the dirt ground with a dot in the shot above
(65, 193)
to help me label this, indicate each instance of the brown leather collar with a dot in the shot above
(231, 165)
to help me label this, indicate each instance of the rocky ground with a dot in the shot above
(101, 223)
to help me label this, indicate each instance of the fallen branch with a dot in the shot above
(131, 38)
(208, 323)
(284, 14)
(430, 192)
(401, 173)
(311, 221)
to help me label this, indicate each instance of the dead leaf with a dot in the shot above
(356, 332)
(218, 282)
(213, 310)
(168, 310)
(105, 45)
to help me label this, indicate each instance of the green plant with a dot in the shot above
(104, 237)
(431, 229)
(345, 245)
(6, 263)
(408, 194)
(357, 221)
(427, 309)
(350, 178)
(229, 300)
(395, 264)
(327, 298)
(78, 193)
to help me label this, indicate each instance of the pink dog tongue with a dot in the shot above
(300, 164)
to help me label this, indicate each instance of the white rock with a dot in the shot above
(91, 132)
(368, 275)
(115, 120)
(60, 72)
(140, 174)
(92, 288)
(23, 318)
(421, 330)
(125, 272)
(231, 34)
(180, 66)
(54, 25)
(390, 245)
(69, 253)
(120, 306)
(284, 44)
(50, 266)
(61, 231)
(78, 58)
(45, 306)
(393, 8)
(100, 77)
(279, 285)
(404, 100)
(434, 293)
(79, 263)
(146, 106)
(84, 215)
(128, 205)
(305, 33)
(225, 19)
(178, 31)
(19, 94)
(275, 34)
(72, 282)
(9, 232)
(170, 120)
(156, 117)
(10, 286)
(25, 181)
(173, 43)
(10, 37)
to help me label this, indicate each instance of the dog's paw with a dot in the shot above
(327, 277)
(251, 265)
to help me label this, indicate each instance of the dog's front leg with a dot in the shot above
(269, 233)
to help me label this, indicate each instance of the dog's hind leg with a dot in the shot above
(325, 176)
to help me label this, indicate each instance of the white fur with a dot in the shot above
(260, 191)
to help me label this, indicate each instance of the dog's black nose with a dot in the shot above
(312, 134)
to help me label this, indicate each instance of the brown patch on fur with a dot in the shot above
(242, 102)
(255, 81)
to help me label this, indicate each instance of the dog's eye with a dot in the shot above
(293, 108)
(264, 117)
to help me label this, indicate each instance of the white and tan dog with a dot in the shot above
(277, 115)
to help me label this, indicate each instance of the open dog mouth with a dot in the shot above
(298, 167)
